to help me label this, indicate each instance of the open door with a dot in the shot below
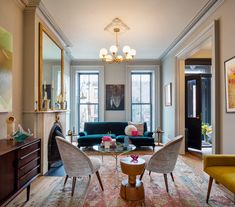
(193, 111)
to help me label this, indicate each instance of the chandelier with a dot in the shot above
(114, 56)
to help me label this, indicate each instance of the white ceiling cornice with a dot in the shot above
(206, 11)
(31, 5)
(22, 3)
(53, 23)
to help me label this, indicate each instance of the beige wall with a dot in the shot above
(225, 14)
(25, 57)
(11, 18)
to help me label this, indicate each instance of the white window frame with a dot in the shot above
(155, 70)
(75, 69)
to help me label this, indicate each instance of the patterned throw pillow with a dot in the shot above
(129, 128)
(139, 127)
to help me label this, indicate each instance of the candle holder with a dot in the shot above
(159, 132)
(47, 104)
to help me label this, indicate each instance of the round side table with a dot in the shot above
(132, 189)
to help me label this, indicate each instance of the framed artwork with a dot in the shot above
(229, 66)
(115, 97)
(168, 94)
(6, 52)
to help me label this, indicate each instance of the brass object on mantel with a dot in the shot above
(51, 71)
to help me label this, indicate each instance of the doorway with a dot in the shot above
(209, 34)
(198, 123)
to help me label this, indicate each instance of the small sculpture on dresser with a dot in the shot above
(10, 126)
(20, 135)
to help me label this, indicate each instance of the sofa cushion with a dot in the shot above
(224, 175)
(137, 140)
(117, 128)
(92, 136)
(105, 127)
(148, 134)
(82, 133)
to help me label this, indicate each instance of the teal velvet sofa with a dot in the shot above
(94, 131)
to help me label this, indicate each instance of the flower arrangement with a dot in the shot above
(206, 131)
(108, 142)
(106, 139)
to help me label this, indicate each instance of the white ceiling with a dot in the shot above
(154, 24)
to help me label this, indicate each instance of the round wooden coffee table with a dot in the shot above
(132, 189)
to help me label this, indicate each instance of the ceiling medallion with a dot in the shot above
(117, 26)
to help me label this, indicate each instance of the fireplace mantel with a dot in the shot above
(45, 112)
(40, 123)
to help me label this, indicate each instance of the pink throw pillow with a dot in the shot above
(134, 133)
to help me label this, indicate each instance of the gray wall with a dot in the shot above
(225, 14)
(115, 74)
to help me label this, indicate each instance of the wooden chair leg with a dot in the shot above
(172, 177)
(209, 189)
(149, 173)
(73, 185)
(141, 176)
(98, 176)
(166, 183)
(65, 180)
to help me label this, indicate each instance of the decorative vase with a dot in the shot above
(126, 141)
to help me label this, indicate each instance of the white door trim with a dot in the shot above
(211, 32)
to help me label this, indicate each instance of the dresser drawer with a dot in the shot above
(28, 176)
(29, 157)
(25, 150)
(28, 166)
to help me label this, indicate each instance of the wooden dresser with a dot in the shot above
(19, 166)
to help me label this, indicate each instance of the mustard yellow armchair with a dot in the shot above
(222, 169)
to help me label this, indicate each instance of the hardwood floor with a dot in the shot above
(44, 185)
(40, 189)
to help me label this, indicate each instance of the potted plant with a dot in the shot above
(206, 132)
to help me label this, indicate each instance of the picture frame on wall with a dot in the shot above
(115, 97)
(6, 54)
(168, 94)
(229, 66)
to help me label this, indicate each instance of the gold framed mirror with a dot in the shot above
(51, 71)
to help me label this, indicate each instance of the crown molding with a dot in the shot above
(53, 24)
(22, 3)
(202, 15)
(99, 62)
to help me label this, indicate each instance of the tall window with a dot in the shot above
(88, 103)
(141, 101)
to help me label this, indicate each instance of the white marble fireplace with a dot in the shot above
(40, 123)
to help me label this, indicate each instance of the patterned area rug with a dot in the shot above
(189, 189)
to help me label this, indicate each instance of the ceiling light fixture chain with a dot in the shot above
(128, 54)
